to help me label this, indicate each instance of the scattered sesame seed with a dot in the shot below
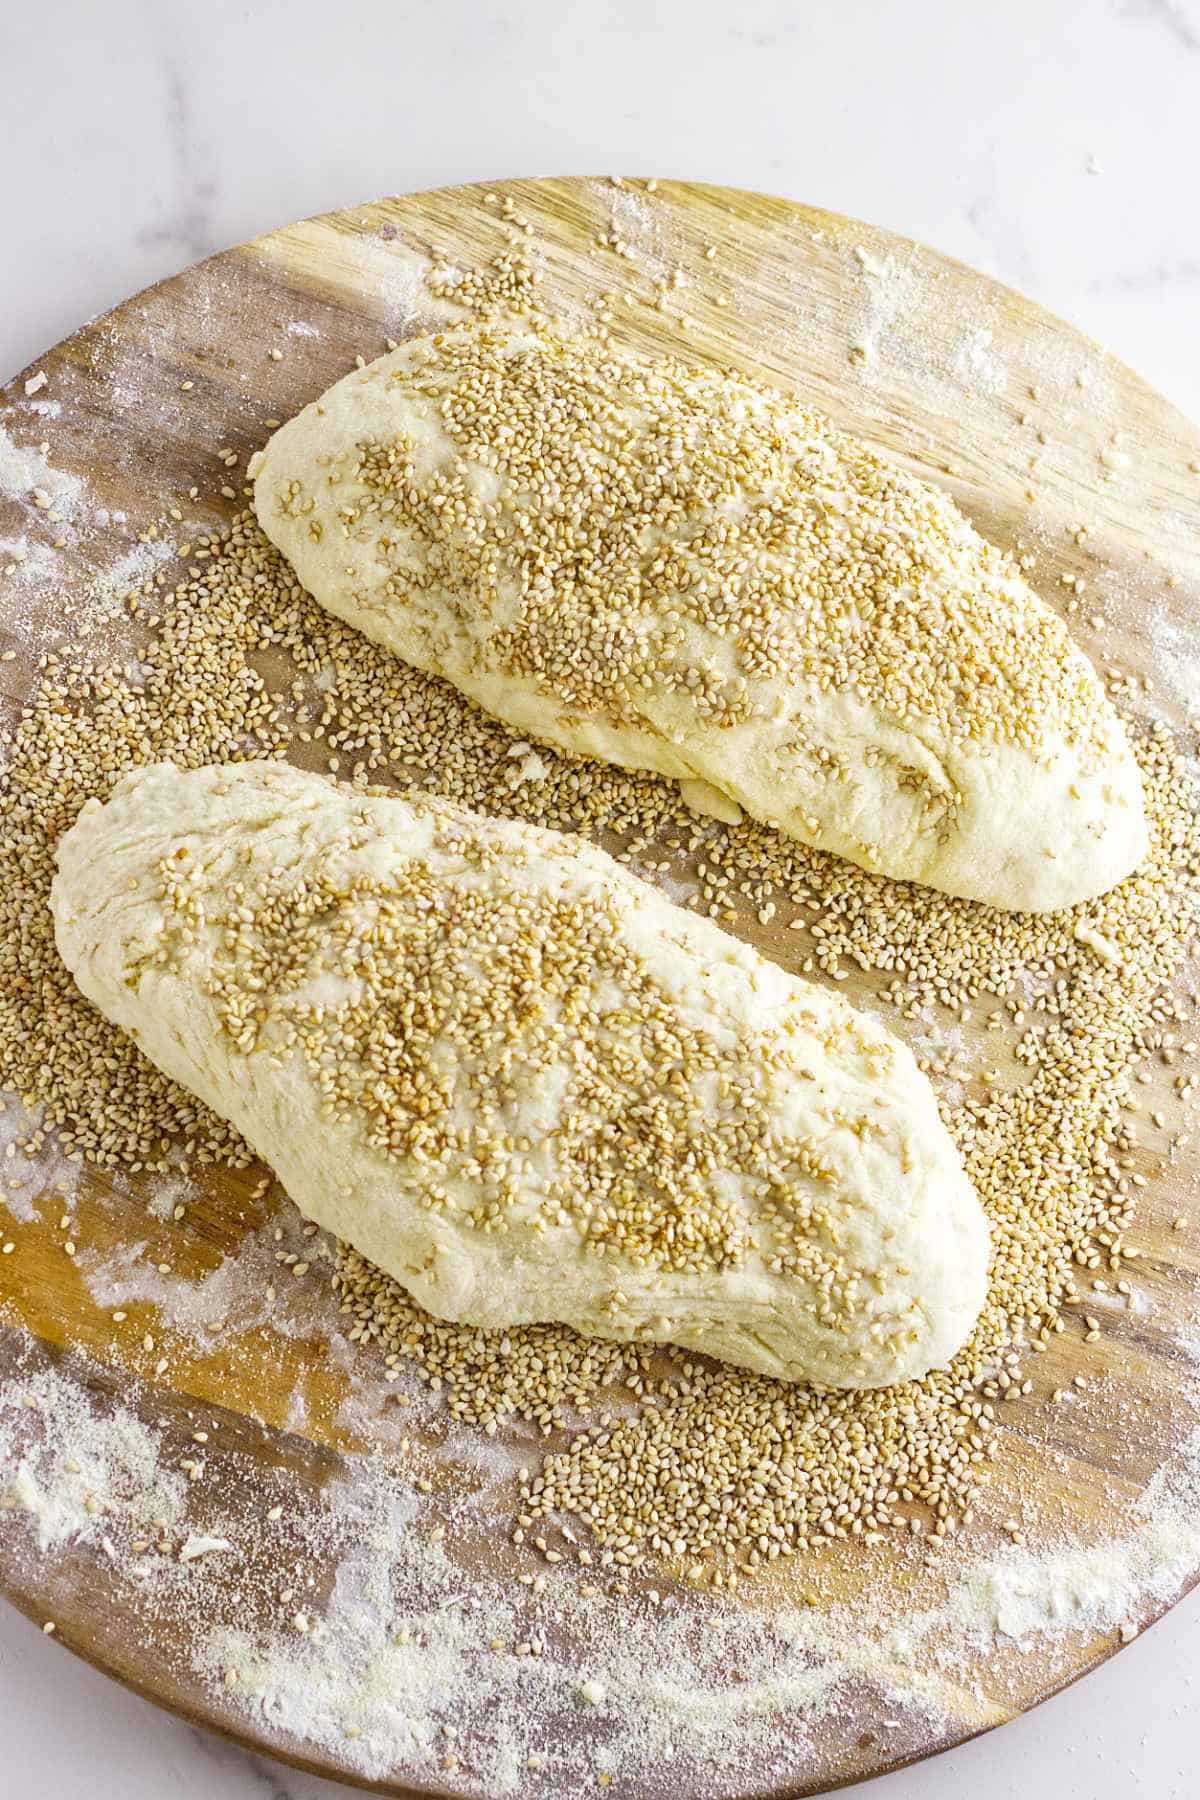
(709, 1464)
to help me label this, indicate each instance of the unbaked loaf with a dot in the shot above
(675, 570)
(521, 1080)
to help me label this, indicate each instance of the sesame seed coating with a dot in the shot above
(523, 1081)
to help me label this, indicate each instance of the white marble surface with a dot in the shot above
(1055, 143)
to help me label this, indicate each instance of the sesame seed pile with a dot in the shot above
(195, 698)
(696, 535)
(724, 1470)
(714, 1468)
(536, 1372)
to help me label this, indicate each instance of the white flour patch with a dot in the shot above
(60, 597)
(296, 1416)
(402, 1647)
(371, 1415)
(943, 1042)
(22, 1179)
(977, 364)
(365, 1672)
(879, 268)
(411, 1644)
(679, 886)
(498, 1459)
(20, 1205)
(170, 1192)
(95, 601)
(250, 1288)
(891, 294)
(59, 1450)
(635, 221)
(129, 572)
(394, 276)
(26, 562)
(936, 1043)
(901, 324)
(24, 468)
(1048, 1594)
(1176, 655)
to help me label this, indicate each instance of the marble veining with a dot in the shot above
(1172, 16)
(188, 223)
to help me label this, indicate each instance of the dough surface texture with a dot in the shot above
(676, 570)
(521, 1080)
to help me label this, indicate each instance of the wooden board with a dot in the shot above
(1029, 425)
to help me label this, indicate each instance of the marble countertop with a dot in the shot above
(1053, 143)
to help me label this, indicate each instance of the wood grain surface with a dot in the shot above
(1031, 427)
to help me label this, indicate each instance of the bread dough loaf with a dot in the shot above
(679, 571)
(522, 1081)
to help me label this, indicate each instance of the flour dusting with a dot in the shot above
(27, 563)
(978, 364)
(408, 1652)
(637, 225)
(109, 586)
(23, 1178)
(78, 1466)
(24, 470)
(248, 1289)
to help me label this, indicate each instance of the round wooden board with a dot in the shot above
(1031, 427)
